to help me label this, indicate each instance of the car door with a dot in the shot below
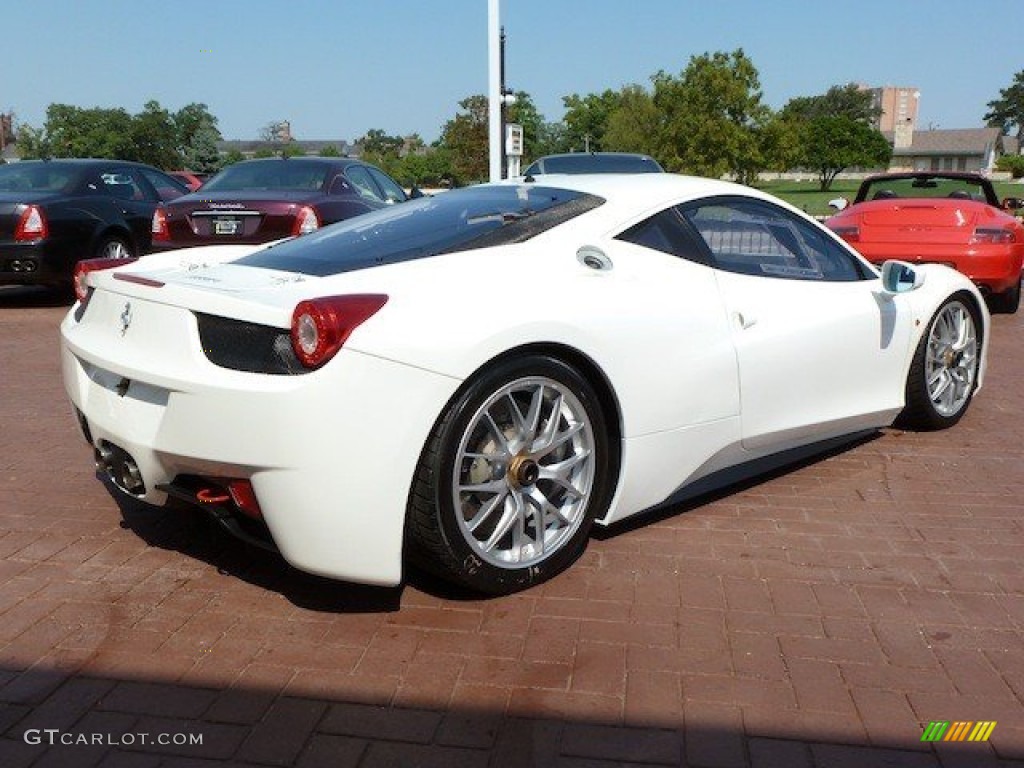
(136, 199)
(820, 348)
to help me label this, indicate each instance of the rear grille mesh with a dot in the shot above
(249, 347)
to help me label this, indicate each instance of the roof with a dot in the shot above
(955, 141)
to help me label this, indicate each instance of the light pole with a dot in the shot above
(495, 96)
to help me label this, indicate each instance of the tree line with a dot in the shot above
(707, 120)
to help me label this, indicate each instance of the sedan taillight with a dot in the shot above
(306, 221)
(84, 267)
(32, 225)
(159, 228)
(850, 234)
(321, 326)
(993, 235)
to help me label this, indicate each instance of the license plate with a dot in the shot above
(226, 226)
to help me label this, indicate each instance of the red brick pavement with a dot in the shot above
(819, 618)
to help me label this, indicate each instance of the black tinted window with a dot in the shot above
(36, 177)
(663, 232)
(270, 174)
(755, 238)
(475, 217)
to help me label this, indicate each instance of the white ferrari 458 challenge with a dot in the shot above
(472, 380)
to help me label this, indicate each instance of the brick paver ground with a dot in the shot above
(821, 617)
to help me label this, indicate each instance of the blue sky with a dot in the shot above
(337, 68)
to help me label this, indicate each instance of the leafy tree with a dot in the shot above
(710, 116)
(154, 138)
(329, 151)
(633, 126)
(465, 139)
(201, 153)
(263, 152)
(1007, 111)
(197, 137)
(587, 118)
(378, 144)
(291, 149)
(781, 140)
(833, 143)
(838, 101)
(71, 131)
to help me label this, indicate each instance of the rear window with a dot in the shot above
(273, 174)
(36, 177)
(584, 163)
(476, 217)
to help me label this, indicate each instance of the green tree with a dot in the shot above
(1007, 112)
(835, 143)
(711, 115)
(781, 141)
(197, 136)
(587, 118)
(154, 138)
(376, 143)
(633, 126)
(201, 153)
(71, 131)
(848, 100)
(464, 138)
(329, 151)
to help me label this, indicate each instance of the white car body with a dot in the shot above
(708, 369)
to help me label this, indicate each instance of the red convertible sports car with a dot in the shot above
(946, 218)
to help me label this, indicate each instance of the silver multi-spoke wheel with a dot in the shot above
(944, 372)
(113, 249)
(518, 467)
(524, 472)
(951, 359)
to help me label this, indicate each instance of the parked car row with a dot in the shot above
(54, 213)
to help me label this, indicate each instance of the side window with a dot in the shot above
(392, 192)
(167, 189)
(664, 231)
(124, 184)
(360, 179)
(755, 238)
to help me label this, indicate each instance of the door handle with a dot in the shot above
(744, 320)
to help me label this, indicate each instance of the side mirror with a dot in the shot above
(1012, 204)
(415, 193)
(839, 203)
(900, 277)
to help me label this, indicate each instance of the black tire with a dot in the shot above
(481, 453)
(938, 366)
(113, 247)
(1007, 302)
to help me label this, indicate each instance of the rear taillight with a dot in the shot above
(161, 232)
(306, 221)
(321, 326)
(850, 234)
(31, 225)
(993, 235)
(84, 267)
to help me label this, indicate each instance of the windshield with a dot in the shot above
(36, 177)
(268, 174)
(475, 217)
(928, 187)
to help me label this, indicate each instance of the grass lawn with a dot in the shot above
(806, 196)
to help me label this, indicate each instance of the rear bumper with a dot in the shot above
(330, 454)
(993, 269)
(33, 263)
